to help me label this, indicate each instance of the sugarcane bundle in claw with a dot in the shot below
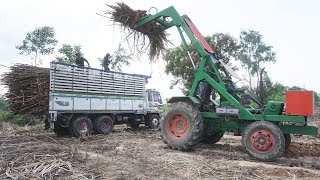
(127, 17)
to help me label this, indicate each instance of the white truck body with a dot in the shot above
(82, 90)
(93, 104)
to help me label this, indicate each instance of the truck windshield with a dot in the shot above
(155, 97)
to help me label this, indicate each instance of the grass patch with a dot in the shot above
(8, 116)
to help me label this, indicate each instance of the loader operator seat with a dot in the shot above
(203, 93)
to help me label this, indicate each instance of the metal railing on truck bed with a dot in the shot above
(73, 79)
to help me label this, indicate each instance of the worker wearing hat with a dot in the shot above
(80, 60)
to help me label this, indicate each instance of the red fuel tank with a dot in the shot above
(299, 103)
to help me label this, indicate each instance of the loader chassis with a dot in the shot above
(266, 130)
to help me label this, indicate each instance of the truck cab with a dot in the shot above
(154, 100)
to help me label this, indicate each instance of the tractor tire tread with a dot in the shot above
(196, 130)
(279, 147)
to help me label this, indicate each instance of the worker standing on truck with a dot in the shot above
(80, 60)
(106, 62)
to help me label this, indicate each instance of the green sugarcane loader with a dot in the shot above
(215, 105)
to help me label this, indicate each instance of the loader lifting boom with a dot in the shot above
(200, 115)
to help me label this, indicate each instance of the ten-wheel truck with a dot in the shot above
(84, 99)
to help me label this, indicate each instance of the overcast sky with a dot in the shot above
(292, 27)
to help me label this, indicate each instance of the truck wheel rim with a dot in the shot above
(105, 125)
(262, 141)
(177, 126)
(83, 127)
(155, 121)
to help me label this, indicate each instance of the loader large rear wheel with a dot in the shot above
(182, 126)
(263, 141)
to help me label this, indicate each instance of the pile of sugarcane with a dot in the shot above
(127, 17)
(28, 89)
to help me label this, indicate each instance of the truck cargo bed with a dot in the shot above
(70, 78)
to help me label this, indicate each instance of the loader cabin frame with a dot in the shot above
(227, 114)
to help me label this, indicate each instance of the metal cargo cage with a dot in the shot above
(73, 79)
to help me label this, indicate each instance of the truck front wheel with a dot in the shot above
(263, 140)
(153, 121)
(103, 125)
(182, 126)
(81, 126)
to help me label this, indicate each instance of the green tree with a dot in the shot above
(40, 41)
(273, 91)
(115, 61)
(253, 53)
(68, 51)
(179, 65)
(224, 45)
(4, 106)
(276, 91)
(316, 97)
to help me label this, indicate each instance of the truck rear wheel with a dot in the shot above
(81, 126)
(263, 141)
(153, 121)
(103, 125)
(182, 126)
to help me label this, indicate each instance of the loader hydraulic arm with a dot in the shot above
(209, 67)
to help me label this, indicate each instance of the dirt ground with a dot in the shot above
(32, 153)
